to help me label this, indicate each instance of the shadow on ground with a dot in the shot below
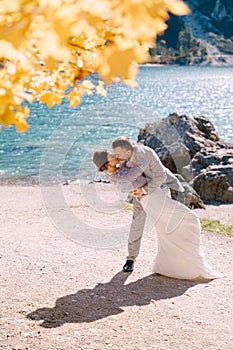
(89, 305)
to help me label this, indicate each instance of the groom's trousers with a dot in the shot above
(137, 227)
(136, 230)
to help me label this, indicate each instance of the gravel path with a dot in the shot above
(59, 295)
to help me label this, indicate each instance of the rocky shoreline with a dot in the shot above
(191, 148)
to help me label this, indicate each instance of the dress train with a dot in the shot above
(178, 230)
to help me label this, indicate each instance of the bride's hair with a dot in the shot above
(100, 158)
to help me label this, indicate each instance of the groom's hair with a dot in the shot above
(100, 158)
(123, 142)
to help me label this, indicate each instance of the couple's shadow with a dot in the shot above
(88, 305)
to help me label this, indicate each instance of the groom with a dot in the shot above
(142, 160)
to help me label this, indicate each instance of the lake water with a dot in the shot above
(61, 140)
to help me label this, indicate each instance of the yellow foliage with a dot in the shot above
(74, 97)
(109, 62)
(16, 117)
(100, 89)
(48, 48)
(50, 98)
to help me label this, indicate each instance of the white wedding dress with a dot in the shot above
(178, 231)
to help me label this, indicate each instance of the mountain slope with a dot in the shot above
(212, 23)
(205, 36)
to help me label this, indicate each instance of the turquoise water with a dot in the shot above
(61, 141)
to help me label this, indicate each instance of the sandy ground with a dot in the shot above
(61, 295)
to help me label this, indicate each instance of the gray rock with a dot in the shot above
(192, 148)
(189, 197)
(214, 185)
(212, 156)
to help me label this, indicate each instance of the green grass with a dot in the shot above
(128, 206)
(216, 227)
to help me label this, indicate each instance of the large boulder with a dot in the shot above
(189, 197)
(191, 147)
(214, 184)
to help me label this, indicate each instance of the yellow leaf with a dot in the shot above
(8, 117)
(17, 118)
(7, 50)
(47, 98)
(5, 101)
(57, 98)
(15, 31)
(51, 98)
(84, 89)
(20, 116)
(50, 46)
(80, 74)
(96, 8)
(131, 83)
(74, 97)
(9, 6)
(22, 126)
(87, 84)
(112, 62)
(26, 96)
(177, 7)
(100, 89)
(50, 63)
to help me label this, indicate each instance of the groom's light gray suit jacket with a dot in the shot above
(145, 161)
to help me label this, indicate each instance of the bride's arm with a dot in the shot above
(131, 172)
(127, 183)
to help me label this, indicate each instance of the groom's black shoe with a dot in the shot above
(128, 267)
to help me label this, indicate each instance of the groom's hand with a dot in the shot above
(139, 192)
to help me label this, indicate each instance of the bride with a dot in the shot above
(178, 228)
